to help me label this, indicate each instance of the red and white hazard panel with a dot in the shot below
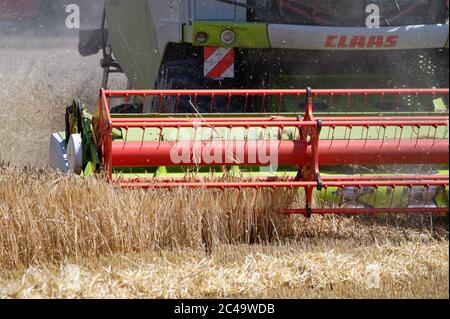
(218, 63)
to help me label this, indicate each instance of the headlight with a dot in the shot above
(201, 37)
(227, 36)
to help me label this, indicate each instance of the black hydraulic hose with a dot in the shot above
(76, 107)
(79, 110)
(67, 122)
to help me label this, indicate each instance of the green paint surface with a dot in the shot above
(248, 35)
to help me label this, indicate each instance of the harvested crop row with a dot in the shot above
(324, 269)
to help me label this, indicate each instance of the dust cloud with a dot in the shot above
(41, 72)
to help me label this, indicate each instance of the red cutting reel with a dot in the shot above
(396, 141)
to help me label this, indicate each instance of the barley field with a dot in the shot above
(72, 237)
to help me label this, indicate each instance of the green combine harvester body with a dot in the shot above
(193, 65)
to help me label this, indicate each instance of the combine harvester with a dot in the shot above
(225, 110)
